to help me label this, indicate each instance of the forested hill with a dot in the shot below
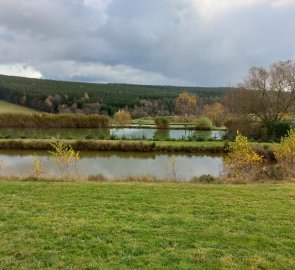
(57, 96)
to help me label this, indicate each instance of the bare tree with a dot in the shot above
(267, 94)
(217, 112)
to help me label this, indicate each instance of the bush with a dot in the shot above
(278, 129)
(122, 117)
(245, 126)
(206, 178)
(203, 123)
(266, 152)
(66, 158)
(162, 122)
(285, 154)
(242, 161)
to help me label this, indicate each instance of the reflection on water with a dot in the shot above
(102, 133)
(119, 164)
(162, 133)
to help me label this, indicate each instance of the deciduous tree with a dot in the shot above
(217, 112)
(186, 104)
(267, 94)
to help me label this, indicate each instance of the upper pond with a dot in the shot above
(118, 164)
(103, 133)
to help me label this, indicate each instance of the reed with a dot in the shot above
(45, 120)
(115, 145)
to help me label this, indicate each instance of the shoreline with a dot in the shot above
(118, 145)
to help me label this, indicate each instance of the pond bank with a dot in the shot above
(120, 145)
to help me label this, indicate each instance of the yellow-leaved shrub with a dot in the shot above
(39, 169)
(66, 158)
(242, 160)
(285, 154)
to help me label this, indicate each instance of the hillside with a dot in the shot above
(53, 96)
(7, 107)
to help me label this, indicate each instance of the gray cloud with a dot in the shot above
(189, 42)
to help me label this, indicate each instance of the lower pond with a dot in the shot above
(117, 164)
(104, 133)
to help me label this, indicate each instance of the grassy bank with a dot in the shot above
(7, 107)
(119, 145)
(146, 226)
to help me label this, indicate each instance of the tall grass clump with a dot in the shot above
(114, 145)
(162, 122)
(45, 120)
(122, 117)
(122, 146)
(38, 168)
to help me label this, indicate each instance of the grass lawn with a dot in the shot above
(7, 107)
(146, 226)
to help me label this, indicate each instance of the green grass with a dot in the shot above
(146, 226)
(122, 145)
(117, 145)
(190, 144)
(7, 107)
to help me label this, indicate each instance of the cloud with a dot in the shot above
(101, 73)
(20, 70)
(191, 42)
(210, 9)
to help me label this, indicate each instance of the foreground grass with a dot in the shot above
(154, 226)
(7, 107)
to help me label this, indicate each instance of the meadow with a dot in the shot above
(53, 225)
(7, 107)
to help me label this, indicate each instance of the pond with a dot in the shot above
(117, 164)
(105, 133)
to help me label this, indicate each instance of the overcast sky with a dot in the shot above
(175, 42)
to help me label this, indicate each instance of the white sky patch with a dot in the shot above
(21, 70)
(97, 3)
(209, 9)
(282, 3)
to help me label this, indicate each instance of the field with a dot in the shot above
(139, 226)
(7, 107)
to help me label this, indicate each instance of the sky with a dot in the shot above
(163, 42)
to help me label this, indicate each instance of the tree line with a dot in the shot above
(88, 98)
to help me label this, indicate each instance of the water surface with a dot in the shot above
(118, 164)
(103, 133)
